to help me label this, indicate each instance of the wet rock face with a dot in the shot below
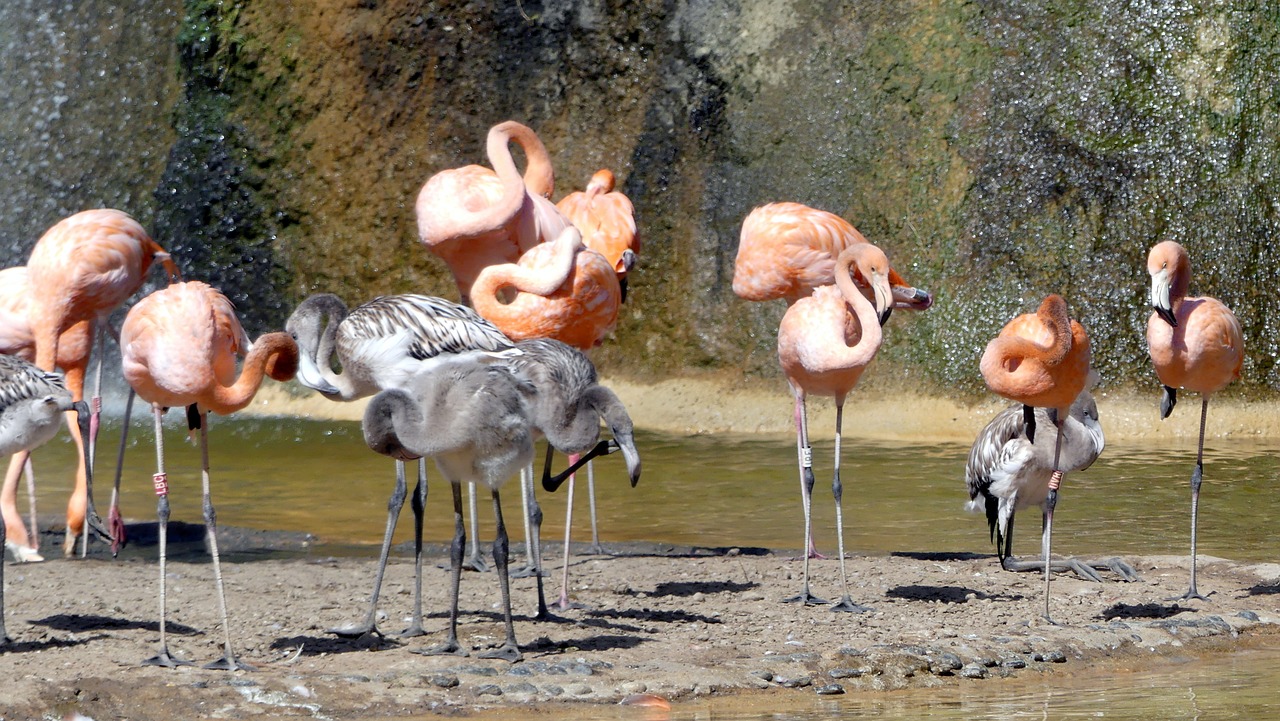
(998, 151)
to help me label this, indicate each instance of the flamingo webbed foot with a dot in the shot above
(166, 659)
(356, 630)
(448, 648)
(598, 550)
(506, 652)
(526, 572)
(414, 630)
(846, 605)
(475, 563)
(806, 598)
(118, 536)
(229, 663)
(22, 554)
(1191, 595)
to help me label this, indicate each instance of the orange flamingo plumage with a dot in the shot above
(179, 348)
(85, 266)
(785, 250)
(473, 217)
(607, 221)
(561, 290)
(1195, 344)
(17, 339)
(825, 342)
(1041, 360)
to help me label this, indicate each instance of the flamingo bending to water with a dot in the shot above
(825, 342)
(179, 349)
(473, 217)
(1041, 360)
(1195, 344)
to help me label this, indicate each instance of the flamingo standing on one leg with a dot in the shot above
(179, 349)
(824, 348)
(380, 345)
(32, 403)
(474, 420)
(1010, 472)
(785, 250)
(1041, 360)
(567, 409)
(1195, 344)
(84, 266)
(473, 217)
(17, 338)
(607, 221)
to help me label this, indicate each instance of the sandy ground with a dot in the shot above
(674, 622)
(678, 623)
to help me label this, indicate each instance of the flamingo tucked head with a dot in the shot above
(1170, 268)
(1039, 359)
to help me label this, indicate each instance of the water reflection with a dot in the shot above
(318, 477)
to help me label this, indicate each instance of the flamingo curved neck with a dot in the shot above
(862, 352)
(541, 281)
(228, 399)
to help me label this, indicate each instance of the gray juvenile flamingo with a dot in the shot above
(32, 403)
(568, 408)
(1007, 472)
(380, 345)
(473, 419)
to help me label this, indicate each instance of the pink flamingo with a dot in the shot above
(607, 221)
(1195, 344)
(17, 339)
(561, 290)
(1041, 360)
(473, 217)
(179, 349)
(85, 266)
(824, 349)
(787, 249)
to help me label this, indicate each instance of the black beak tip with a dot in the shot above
(884, 317)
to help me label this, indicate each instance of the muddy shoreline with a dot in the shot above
(679, 623)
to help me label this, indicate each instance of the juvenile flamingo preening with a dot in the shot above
(385, 344)
(179, 349)
(1008, 472)
(1195, 344)
(473, 419)
(1041, 360)
(32, 403)
(825, 342)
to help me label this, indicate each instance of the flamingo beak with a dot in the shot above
(904, 296)
(1160, 285)
(309, 375)
(883, 297)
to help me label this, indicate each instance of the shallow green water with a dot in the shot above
(318, 477)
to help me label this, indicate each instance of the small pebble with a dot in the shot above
(634, 687)
(763, 673)
(444, 681)
(578, 689)
(831, 689)
(488, 689)
(973, 670)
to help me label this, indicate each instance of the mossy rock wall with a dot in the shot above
(998, 151)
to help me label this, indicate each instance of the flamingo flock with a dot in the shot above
(473, 384)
